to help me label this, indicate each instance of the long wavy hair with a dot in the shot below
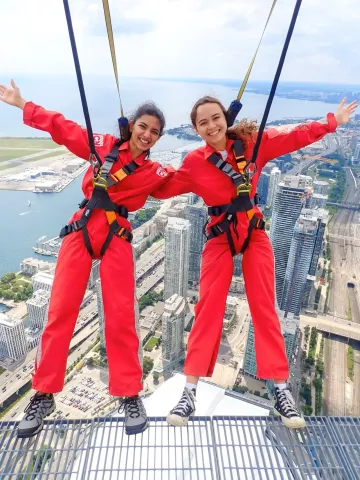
(245, 130)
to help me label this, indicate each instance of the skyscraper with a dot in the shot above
(94, 274)
(289, 328)
(197, 216)
(321, 217)
(177, 242)
(173, 324)
(274, 181)
(299, 262)
(100, 306)
(290, 198)
(37, 309)
(263, 188)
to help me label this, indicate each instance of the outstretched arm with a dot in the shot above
(62, 131)
(278, 141)
(178, 183)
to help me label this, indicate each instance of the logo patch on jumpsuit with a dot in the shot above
(161, 172)
(98, 140)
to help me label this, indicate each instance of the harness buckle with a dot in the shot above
(75, 226)
(244, 188)
(99, 182)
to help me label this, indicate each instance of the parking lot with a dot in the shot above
(85, 395)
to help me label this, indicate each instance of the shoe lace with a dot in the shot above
(132, 406)
(35, 405)
(186, 403)
(286, 401)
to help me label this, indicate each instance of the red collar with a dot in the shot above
(125, 147)
(210, 150)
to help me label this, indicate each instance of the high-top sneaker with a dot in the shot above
(285, 406)
(179, 415)
(136, 420)
(41, 405)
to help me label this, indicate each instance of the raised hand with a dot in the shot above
(343, 112)
(12, 96)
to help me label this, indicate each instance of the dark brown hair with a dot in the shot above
(149, 108)
(244, 130)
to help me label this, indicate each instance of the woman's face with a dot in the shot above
(145, 132)
(211, 123)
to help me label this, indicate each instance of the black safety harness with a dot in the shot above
(241, 203)
(100, 199)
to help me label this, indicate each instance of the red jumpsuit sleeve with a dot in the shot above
(278, 141)
(177, 183)
(62, 131)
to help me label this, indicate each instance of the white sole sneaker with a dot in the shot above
(176, 420)
(294, 422)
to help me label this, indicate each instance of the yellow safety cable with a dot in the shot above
(243, 86)
(112, 47)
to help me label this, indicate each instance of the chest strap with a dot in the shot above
(100, 199)
(240, 203)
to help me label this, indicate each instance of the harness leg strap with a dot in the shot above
(87, 241)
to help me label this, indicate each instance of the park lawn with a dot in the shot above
(14, 142)
(151, 343)
(6, 155)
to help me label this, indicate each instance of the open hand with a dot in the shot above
(343, 112)
(12, 96)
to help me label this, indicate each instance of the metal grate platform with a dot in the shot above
(217, 448)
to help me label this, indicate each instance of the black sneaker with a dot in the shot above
(136, 420)
(285, 407)
(41, 405)
(179, 416)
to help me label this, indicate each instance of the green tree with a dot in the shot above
(148, 364)
(156, 377)
(308, 410)
(7, 278)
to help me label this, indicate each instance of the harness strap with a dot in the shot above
(257, 223)
(94, 157)
(241, 203)
(100, 199)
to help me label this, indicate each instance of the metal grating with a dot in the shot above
(221, 448)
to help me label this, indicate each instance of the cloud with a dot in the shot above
(184, 38)
(121, 24)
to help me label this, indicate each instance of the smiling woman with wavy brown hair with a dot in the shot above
(216, 172)
(243, 130)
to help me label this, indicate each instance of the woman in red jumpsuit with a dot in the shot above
(200, 176)
(123, 343)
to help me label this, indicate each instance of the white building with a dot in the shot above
(12, 338)
(274, 181)
(43, 281)
(31, 266)
(177, 245)
(37, 309)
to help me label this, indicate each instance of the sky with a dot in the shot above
(183, 38)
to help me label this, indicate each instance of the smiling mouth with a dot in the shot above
(214, 133)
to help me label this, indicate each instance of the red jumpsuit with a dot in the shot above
(199, 176)
(123, 343)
